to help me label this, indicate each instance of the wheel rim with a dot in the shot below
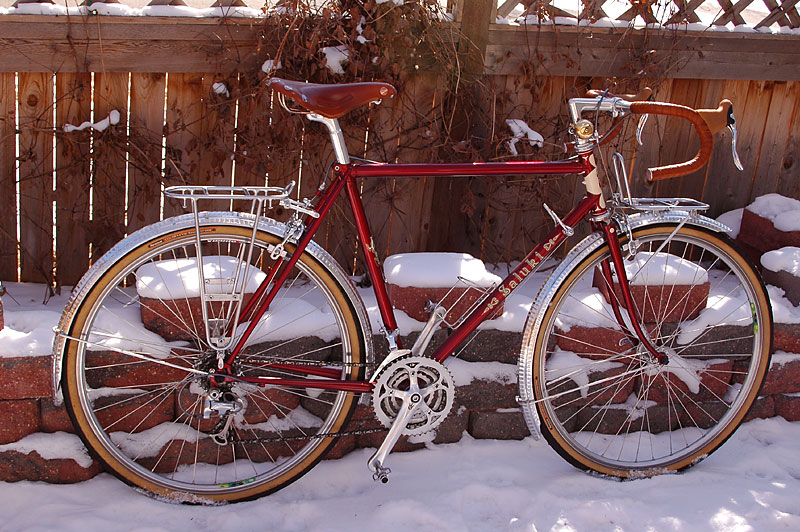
(178, 454)
(616, 410)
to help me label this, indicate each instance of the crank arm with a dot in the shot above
(376, 461)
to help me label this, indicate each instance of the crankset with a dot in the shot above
(412, 395)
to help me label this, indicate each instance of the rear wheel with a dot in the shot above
(605, 403)
(137, 362)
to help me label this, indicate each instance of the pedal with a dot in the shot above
(381, 473)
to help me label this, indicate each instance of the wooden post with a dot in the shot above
(8, 177)
(36, 176)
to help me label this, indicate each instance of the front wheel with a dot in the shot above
(138, 354)
(608, 405)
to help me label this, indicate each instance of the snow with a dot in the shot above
(110, 9)
(783, 212)
(437, 270)
(732, 219)
(102, 125)
(335, 56)
(520, 130)
(51, 446)
(178, 278)
(220, 88)
(751, 483)
(270, 66)
(783, 260)
(663, 268)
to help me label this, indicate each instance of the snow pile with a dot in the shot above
(179, 278)
(270, 66)
(783, 311)
(751, 483)
(663, 269)
(335, 56)
(783, 260)
(521, 130)
(437, 270)
(111, 119)
(783, 212)
(58, 445)
(732, 219)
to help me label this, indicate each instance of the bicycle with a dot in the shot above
(641, 354)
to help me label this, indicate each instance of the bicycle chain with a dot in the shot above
(311, 437)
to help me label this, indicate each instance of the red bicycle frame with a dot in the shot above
(345, 176)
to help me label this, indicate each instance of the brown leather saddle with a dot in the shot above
(331, 101)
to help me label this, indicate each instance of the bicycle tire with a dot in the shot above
(144, 420)
(608, 406)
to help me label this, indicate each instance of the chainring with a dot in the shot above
(431, 378)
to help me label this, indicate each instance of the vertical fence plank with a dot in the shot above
(8, 178)
(110, 154)
(184, 112)
(788, 183)
(773, 143)
(73, 106)
(737, 193)
(411, 206)
(147, 129)
(36, 176)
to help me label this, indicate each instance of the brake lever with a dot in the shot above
(640, 129)
(734, 136)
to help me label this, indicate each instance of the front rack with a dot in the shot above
(622, 197)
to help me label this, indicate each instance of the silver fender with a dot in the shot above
(186, 221)
(536, 315)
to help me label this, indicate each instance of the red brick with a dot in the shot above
(763, 408)
(655, 419)
(413, 300)
(16, 466)
(113, 369)
(26, 377)
(179, 319)
(684, 301)
(593, 342)
(788, 406)
(714, 382)
(759, 234)
(54, 417)
(787, 337)
(609, 391)
(783, 375)
(20, 418)
(498, 425)
(483, 394)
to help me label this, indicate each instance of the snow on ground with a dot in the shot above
(751, 483)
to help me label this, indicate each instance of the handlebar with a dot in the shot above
(705, 121)
(700, 125)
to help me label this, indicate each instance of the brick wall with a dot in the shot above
(484, 407)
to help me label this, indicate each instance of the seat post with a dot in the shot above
(337, 139)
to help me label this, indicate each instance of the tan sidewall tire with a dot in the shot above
(79, 417)
(579, 460)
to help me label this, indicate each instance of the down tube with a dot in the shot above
(528, 265)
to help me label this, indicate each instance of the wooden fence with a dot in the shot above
(188, 114)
